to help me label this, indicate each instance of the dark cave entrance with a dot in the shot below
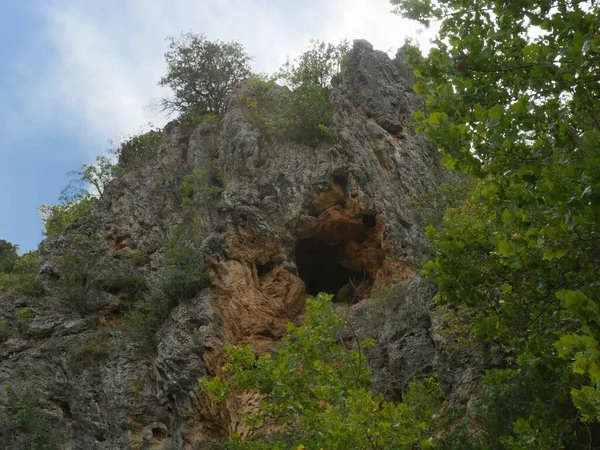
(319, 267)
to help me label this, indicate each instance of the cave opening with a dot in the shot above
(159, 433)
(319, 267)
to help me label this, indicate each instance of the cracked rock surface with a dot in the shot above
(348, 201)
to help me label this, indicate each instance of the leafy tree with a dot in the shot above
(202, 73)
(58, 218)
(316, 66)
(512, 97)
(18, 273)
(137, 149)
(317, 393)
(79, 195)
(8, 256)
(98, 175)
(301, 110)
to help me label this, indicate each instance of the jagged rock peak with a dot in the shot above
(287, 220)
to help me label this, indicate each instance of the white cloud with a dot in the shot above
(108, 56)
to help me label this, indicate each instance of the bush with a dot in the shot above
(150, 311)
(60, 217)
(317, 393)
(183, 277)
(26, 424)
(22, 278)
(25, 316)
(90, 353)
(123, 284)
(316, 66)
(8, 256)
(137, 150)
(193, 117)
(200, 190)
(300, 111)
(302, 115)
(80, 254)
(517, 410)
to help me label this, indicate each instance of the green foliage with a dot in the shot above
(317, 393)
(183, 277)
(123, 283)
(200, 190)
(25, 425)
(98, 175)
(194, 116)
(77, 198)
(202, 73)
(301, 111)
(25, 316)
(138, 149)
(90, 353)
(142, 322)
(79, 255)
(316, 66)
(20, 275)
(432, 205)
(60, 217)
(524, 408)
(511, 92)
(8, 256)
(302, 115)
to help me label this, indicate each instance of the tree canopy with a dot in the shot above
(512, 97)
(202, 73)
(8, 256)
(315, 66)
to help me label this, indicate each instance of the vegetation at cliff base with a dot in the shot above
(316, 393)
(512, 97)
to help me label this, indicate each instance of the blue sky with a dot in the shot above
(76, 74)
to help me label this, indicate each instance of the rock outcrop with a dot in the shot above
(291, 220)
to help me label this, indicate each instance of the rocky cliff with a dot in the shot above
(287, 220)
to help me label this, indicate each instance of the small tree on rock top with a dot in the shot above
(202, 73)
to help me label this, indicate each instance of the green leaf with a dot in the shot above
(496, 112)
(505, 248)
(436, 119)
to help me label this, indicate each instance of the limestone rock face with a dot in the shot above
(291, 220)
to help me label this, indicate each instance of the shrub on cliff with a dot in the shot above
(75, 200)
(316, 66)
(18, 273)
(202, 73)
(57, 218)
(137, 149)
(8, 256)
(25, 425)
(183, 276)
(301, 110)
